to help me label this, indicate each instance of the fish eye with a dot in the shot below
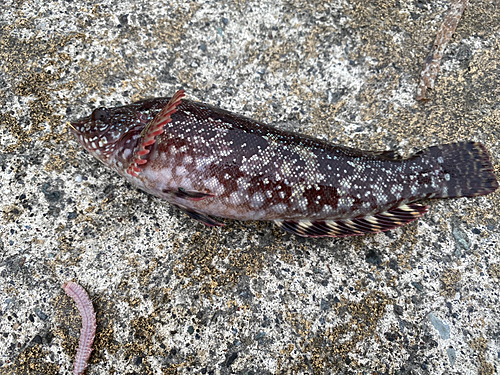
(100, 114)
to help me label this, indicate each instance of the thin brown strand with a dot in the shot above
(87, 333)
(430, 68)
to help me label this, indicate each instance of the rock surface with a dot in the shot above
(175, 297)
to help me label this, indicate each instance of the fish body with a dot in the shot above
(211, 162)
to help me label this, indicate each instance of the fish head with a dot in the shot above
(108, 131)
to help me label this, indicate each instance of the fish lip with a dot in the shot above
(78, 124)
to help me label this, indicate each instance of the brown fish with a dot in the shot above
(211, 162)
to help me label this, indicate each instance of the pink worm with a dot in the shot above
(87, 333)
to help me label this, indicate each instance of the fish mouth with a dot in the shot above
(77, 126)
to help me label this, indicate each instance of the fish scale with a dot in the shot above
(210, 162)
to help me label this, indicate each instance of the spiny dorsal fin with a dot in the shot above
(380, 222)
(152, 130)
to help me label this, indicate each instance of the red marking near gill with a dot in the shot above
(87, 333)
(152, 130)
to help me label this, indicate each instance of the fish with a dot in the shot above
(211, 163)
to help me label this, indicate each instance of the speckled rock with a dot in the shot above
(175, 297)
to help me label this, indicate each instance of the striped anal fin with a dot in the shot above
(380, 222)
(151, 131)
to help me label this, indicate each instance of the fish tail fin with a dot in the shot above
(467, 167)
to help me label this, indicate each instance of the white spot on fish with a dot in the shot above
(280, 208)
(326, 210)
(235, 198)
(243, 183)
(303, 204)
(215, 186)
(257, 200)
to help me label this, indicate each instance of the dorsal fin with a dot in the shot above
(151, 131)
(380, 222)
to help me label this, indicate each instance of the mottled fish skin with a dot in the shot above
(211, 162)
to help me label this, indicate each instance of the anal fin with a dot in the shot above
(151, 131)
(380, 222)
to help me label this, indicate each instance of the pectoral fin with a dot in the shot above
(191, 195)
(202, 218)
